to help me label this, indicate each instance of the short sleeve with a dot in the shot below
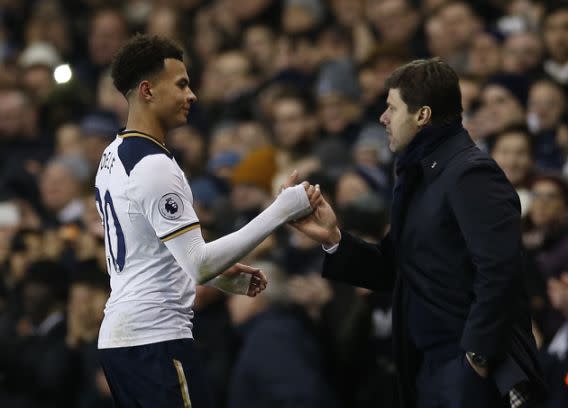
(163, 195)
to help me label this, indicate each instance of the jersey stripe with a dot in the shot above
(179, 231)
(182, 384)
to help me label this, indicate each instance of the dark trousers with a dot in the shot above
(453, 383)
(166, 374)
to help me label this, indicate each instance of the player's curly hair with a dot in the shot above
(142, 56)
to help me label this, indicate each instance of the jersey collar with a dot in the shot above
(136, 133)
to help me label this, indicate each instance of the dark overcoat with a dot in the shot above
(459, 249)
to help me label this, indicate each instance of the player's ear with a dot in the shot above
(145, 90)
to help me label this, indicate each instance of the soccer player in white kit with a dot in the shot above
(154, 248)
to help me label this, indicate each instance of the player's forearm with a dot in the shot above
(218, 255)
(208, 260)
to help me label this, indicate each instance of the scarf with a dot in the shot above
(409, 170)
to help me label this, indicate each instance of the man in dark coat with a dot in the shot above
(461, 322)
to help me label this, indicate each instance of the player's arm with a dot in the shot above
(164, 197)
(212, 258)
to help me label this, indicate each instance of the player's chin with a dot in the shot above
(180, 120)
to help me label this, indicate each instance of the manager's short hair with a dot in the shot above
(429, 82)
(141, 57)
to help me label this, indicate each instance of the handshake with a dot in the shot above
(307, 210)
(300, 205)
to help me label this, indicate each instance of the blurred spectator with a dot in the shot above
(110, 99)
(546, 107)
(338, 95)
(450, 30)
(513, 151)
(522, 53)
(300, 16)
(485, 55)
(555, 33)
(61, 187)
(372, 73)
(555, 359)
(359, 182)
(295, 132)
(281, 361)
(259, 42)
(503, 104)
(38, 62)
(98, 129)
(546, 235)
(252, 182)
(363, 340)
(470, 89)
(32, 343)
(68, 140)
(397, 22)
(49, 23)
(107, 32)
(88, 293)
(188, 147)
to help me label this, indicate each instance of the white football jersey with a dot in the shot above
(144, 199)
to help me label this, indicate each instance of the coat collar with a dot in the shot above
(435, 162)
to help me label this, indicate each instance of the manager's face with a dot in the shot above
(401, 125)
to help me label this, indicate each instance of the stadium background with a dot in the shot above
(281, 85)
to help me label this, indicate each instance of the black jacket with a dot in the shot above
(459, 253)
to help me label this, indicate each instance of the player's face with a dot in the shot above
(172, 95)
(401, 125)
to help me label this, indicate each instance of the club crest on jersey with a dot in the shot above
(171, 206)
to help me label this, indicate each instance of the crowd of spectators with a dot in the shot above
(281, 85)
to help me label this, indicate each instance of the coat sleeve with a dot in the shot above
(362, 264)
(487, 211)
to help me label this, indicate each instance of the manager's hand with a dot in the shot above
(321, 224)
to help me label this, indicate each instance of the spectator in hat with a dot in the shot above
(371, 148)
(38, 61)
(503, 104)
(251, 190)
(98, 130)
(300, 16)
(252, 182)
(338, 95)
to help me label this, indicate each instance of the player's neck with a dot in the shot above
(147, 124)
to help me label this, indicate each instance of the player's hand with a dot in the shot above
(321, 225)
(257, 278)
(313, 192)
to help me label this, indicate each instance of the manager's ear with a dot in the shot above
(423, 116)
